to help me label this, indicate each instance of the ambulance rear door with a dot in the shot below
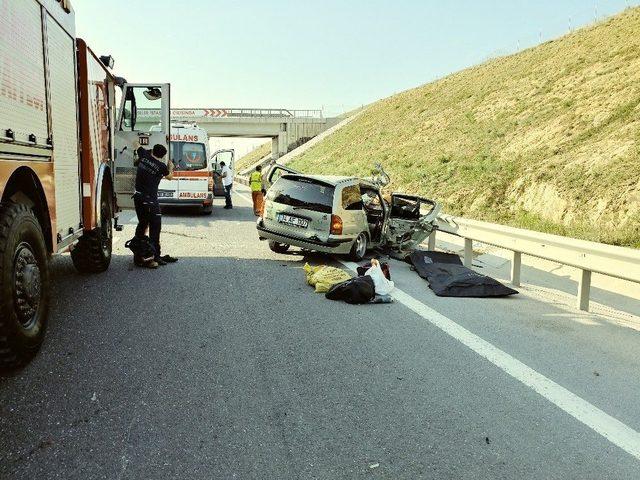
(143, 106)
(228, 157)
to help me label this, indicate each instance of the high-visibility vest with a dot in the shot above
(255, 180)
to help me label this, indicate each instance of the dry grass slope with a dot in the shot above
(547, 139)
(253, 156)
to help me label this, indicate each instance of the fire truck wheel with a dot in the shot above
(92, 253)
(24, 285)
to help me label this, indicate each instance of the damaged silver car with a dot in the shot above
(341, 215)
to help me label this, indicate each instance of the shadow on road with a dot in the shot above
(193, 217)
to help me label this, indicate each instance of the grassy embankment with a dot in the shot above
(547, 139)
(253, 156)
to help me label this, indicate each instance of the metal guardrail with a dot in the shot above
(589, 257)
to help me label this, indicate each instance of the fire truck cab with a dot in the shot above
(66, 160)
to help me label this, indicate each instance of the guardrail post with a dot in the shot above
(431, 244)
(468, 252)
(584, 289)
(516, 264)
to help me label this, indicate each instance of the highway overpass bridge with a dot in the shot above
(287, 128)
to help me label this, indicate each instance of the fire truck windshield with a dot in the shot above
(188, 156)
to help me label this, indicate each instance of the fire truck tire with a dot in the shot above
(92, 253)
(24, 285)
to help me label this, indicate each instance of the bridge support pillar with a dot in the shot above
(279, 145)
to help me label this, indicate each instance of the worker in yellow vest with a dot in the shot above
(257, 192)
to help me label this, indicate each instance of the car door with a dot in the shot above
(152, 102)
(411, 220)
(354, 218)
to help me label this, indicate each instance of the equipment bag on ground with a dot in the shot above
(141, 247)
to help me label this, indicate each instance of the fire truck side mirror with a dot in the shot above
(153, 93)
(107, 61)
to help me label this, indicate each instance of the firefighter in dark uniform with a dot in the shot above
(151, 169)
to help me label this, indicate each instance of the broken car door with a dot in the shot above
(374, 208)
(411, 221)
(274, 172)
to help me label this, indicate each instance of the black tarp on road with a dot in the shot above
(447, 276)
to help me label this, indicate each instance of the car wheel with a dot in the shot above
(278, 247)
(207, 210)
(359, 247)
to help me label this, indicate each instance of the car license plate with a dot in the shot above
(165, 193)
(293, 221)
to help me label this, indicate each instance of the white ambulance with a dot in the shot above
(192, 183)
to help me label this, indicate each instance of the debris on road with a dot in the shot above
(323, 277)
(370, 286)
(357, 290)
(383, 265)
(382, 299)
(374, 465)
(383, 286)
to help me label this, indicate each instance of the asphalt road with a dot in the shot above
(227, 365)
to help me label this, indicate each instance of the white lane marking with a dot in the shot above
(609, 427)
(244, 197)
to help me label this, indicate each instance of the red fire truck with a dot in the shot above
(66, 160)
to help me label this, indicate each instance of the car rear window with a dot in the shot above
(303, 193)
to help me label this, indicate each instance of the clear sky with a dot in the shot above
(331, 54)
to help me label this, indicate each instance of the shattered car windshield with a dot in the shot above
(302, 193)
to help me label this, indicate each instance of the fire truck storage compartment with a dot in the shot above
(23, 107)
(64, 124)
